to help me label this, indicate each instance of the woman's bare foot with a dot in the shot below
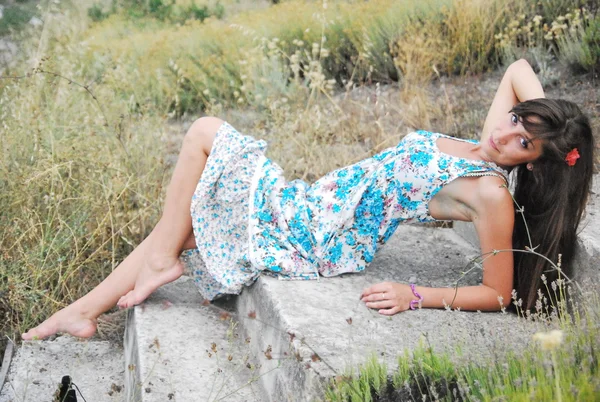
(67, 320)
(150, 278)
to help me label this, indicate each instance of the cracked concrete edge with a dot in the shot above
(306, 378)
(466, 231)
(172, 348)
(284, 368)
(8, 353)
(133, 391)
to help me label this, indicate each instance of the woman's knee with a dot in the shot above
(202, 132)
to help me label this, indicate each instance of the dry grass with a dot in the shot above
(248, 58)
(81, 185)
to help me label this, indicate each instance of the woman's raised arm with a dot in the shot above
(518, 85)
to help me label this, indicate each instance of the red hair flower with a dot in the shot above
(572, 157)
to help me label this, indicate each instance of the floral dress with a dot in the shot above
(248, 219)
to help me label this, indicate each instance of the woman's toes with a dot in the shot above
(40, 332)
(30, 335)
(124, 301)
(121, 302)
(75, 325)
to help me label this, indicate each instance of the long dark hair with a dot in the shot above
(553, 194)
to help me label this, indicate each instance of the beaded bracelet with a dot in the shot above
(413, 303)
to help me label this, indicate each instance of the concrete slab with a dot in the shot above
(466, 230)
(96, 367)
(176, 349)
(587, 251)
(316, 330)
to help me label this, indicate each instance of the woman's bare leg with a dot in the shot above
(156, 260)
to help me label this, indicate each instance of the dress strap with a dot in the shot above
(487, 173)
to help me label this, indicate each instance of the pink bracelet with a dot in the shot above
(414, 303)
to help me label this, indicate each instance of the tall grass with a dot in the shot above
(251, 59)
(81, 184)
(187, 68)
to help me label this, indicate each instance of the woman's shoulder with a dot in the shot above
(491, 196)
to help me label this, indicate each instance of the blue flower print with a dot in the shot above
(247, 218)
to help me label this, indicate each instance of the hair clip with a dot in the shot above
(572, 157)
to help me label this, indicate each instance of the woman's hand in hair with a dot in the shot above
(518, 84)
(388, 297)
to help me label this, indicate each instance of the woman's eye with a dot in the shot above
(524, 143)
(514, 118)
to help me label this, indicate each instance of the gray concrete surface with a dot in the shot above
(176, 349)
(327, 319)
(96, 367)
(466, 230)
(587, 251)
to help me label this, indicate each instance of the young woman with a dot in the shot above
(246, 218)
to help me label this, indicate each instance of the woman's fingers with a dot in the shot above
(391, 311)
(386, 297)
(377, 296)
(376, 289)
(381, 304)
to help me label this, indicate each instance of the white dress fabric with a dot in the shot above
(248, 219)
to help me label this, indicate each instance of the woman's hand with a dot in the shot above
(389, 297)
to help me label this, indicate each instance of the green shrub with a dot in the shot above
(159, 9)
(591, 41)
(167, 11)
(15, 17)
(551, 9)
(198, 13)
(97, 13)
(579, 48)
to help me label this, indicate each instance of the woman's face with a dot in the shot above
(509, 144)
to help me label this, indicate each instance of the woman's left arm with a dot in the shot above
(518, 84)
(493, 217)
